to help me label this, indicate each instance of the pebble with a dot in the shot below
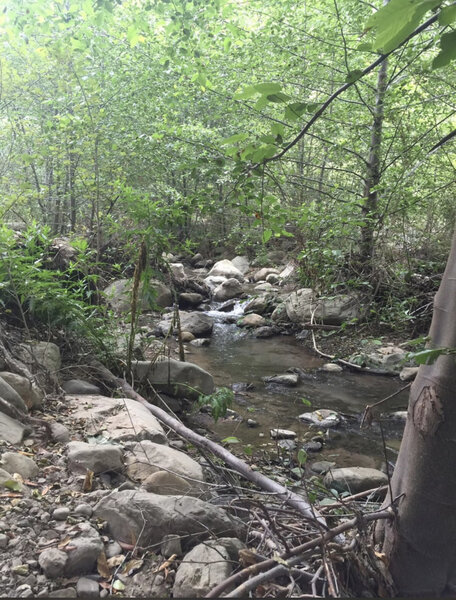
(313, 446)
(24, 591)
(252, 423)
(84, 510)
(87, 588)
(3, 540)
(21, 570)
(281, 434)
(3, 526)
(61, 513)
(113, 549)
(104, 594)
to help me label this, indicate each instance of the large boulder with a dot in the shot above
(199, 324)
(116, 419)
(202, 569)
(263, 273)
(176, 378)
(241, 263)
(231, 288)
(259, 304)
(225, 268)
(30, 393)
(147, 458)
(355, 479)
(126, 513)
(302, 304)
(190, 299)
(118, 295)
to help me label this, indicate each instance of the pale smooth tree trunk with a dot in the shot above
(421, 544)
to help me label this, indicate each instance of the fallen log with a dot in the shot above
(294, 500)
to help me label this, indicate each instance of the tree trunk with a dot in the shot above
(421, 543)
(373, 176)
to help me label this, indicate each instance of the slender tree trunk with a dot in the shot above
(421, 543)
(373, 176)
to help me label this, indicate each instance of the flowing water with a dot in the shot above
(236, 359)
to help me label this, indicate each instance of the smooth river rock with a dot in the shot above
(322, 418)
(355, 479)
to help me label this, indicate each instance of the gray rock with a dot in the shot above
(398, 415)
(126, 512)
(85, 550)
(241, 263)
(279, 314)
(7, 477)
(163, 482)
(332, 368)
(117, 419)
(113, 549)
(199, 324)
(186, 337)
(313, 446)
(11, 431)
(59, 433)
(79, 386)
(147, 458)
(28, 391)
(287, 379)
(408, 373)
(46, 354)
(69, 592)
(178, 271)
(10, 396)
(171, 544)
(201, 342)
(4, 539)
(263, 273)
(118, 295)
(190, 299)
(282, 434)
(265, 332)
(265, 287)
(252, 320)
(18, 463)
(225, 268)
(272, 278)
(87, 588)
(202, 569)
(83, 510)
(61, 513)
(252, 423)
(355, 479)
(231, 288)
(95, 457)
(259, 304)
(178, 379)
(322, 466)
(301, 304)
(288, 445)
(322, 418)
(53, 561)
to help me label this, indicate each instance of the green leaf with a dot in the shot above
(246, 93)
(268, 88)
(237, 137)
(118, 585)
(354, 76)
(277, 129)
(231, 440)
(397, 20)
(302, 457)
(295, 110)
(427, 357)
(447, 50)
(267, 234)
(12, 484)
(261, 103)
(447, 15)
(278, 98)
(306, 402)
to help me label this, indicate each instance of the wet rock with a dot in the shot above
(186, 337)
(282, 434)
(227, 306)
(355, 479)
(53, 561)
(18, 463)
(241, 263)
(225, 268)
(259, 305)
(252, 423)
(118, 295)
(322, 466)
(252, 320)
(408, 373)
(171, 544)
(45, 354)
(85, 550)
(332, 368)
(28, 391)
(125, 513)
(279, 314)
(87, 588)
(265, 332)
(59, 432)
(263, 273)
(147, 458)
(287, 445)
(178, 379)
(201, 570)
(81, 387)
(190, 299)
(117, 419)
(11, 431)
(95, 457)
(9, 394)
(201, 342)
(231, 288)
(166, 483)
(287, 379)
(322, 418)
(61, 513)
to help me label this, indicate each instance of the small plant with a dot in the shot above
(219, 402)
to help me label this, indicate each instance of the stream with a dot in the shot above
(235, 359)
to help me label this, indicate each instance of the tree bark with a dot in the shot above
(420, 545)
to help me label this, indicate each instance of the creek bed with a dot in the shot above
(235, 357)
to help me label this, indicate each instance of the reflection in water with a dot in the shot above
(235, 357)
